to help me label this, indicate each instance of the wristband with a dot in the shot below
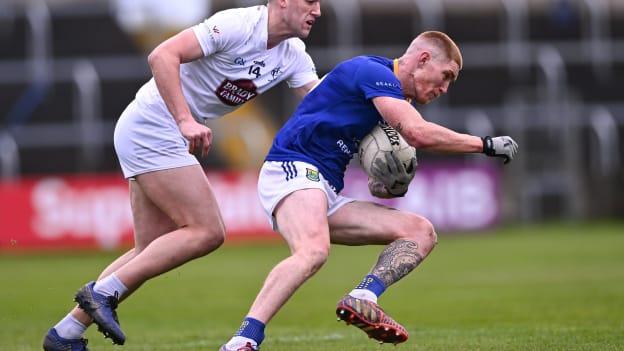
(488, 146)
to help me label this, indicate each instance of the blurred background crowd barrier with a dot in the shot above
(547, 72)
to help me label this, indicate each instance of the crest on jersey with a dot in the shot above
(313, 175)
(237, 92)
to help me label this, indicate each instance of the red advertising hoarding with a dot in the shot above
(93, 211)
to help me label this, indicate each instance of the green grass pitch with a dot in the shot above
(546, 287)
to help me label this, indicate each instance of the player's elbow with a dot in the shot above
(158, 56)
(153, 57)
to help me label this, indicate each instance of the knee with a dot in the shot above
(419, 229)
(313, 257)
(207, 239)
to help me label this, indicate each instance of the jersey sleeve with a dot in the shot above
(219, 32)
(375, 80)
(304, 70)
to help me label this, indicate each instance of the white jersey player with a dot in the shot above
(235, 68)
(201, 73)
(236, 65)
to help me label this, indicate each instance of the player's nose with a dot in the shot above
(316, 11)
(443, 89)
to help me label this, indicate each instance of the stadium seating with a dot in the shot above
(493, 76)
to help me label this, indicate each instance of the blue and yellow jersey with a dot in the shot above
(328, 125)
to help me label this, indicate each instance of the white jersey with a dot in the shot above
(236, 66)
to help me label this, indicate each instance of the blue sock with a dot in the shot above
(373, 284)
(252, 329)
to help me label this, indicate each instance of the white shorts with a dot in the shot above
(147, 139)
(278, 179)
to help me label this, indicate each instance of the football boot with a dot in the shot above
(53, 342)
(102, 309)
(369, 317)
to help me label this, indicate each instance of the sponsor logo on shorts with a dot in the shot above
(313, 175)
(238, 92)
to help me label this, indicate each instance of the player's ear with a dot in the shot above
(423, 57)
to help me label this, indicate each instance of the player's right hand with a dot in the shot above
(502, 146)
(198, 135)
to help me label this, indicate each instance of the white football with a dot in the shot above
(381, 140)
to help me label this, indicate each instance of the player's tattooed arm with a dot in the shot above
(396, 261)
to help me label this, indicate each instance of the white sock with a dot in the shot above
(109, 285)
(239, 341)
(364, 294)
(70, 328)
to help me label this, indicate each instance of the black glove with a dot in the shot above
(502, 146)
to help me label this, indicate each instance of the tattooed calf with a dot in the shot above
(396, 261)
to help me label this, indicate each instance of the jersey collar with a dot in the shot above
(395, 69)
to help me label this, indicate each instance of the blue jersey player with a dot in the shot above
(301, 180)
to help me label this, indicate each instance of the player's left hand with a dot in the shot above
(393, 174)
(502, 146)
(378, 189)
